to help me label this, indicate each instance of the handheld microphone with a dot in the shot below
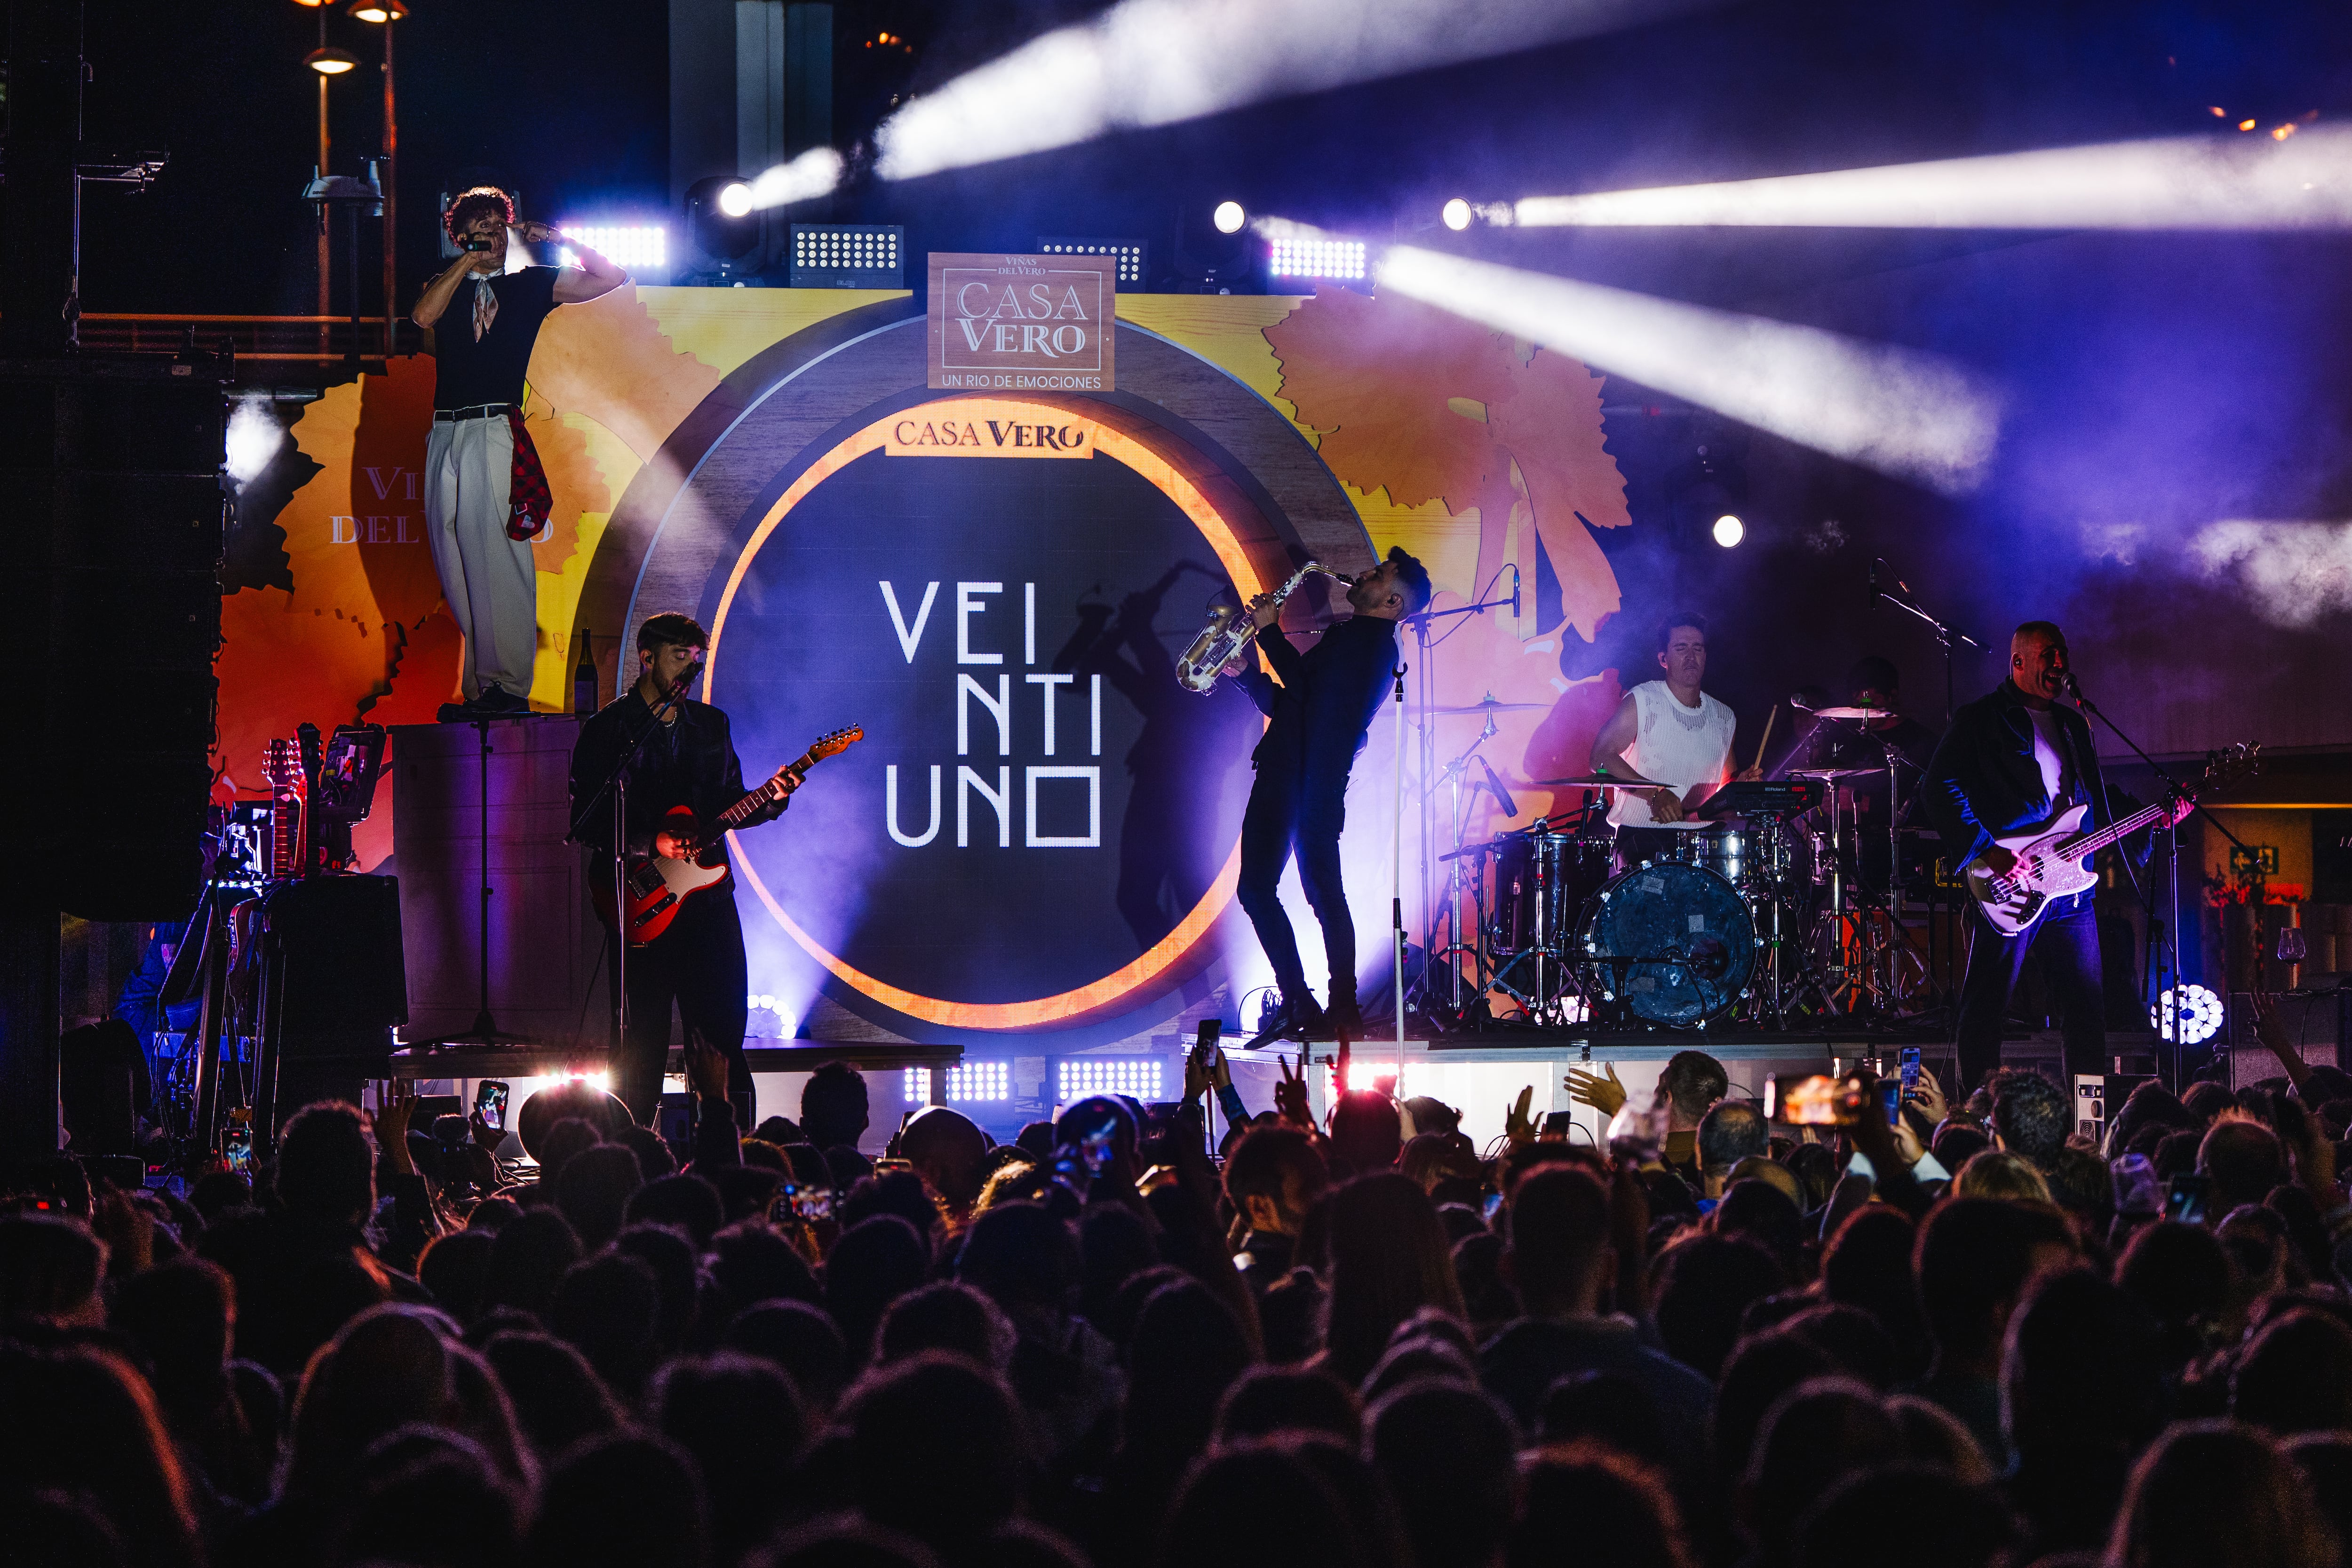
(1514, 609)
(1510, 808)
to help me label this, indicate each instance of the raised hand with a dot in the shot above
(1928, 1095)
(1605, 1095)
(1519, 1122)
(392, 1120)
(1290, 1092)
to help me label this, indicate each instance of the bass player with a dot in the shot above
(685, 775)
(2013, 759)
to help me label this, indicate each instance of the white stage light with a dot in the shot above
(1730, 531)
(735, 200)
(1229, 218)
(1895, 410)
(254, 438)
(963, 1084)
(1456, 214)
(1080, 1077)
(1301, 250)
(2179, 183)
(1161, 62)
(1294, 250)
(623, 245)
(2201, 1014)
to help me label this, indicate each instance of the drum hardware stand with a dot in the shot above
(1426, 729)
(1455, 947)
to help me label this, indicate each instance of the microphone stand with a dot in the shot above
(2170, 974)
(1948, 636)
(617, 785)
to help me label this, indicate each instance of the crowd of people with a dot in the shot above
(1967, 1336)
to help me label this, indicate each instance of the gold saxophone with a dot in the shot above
(1231, 630)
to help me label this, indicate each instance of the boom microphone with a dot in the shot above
(1874, 580)
(1510, 808)
(1515, 607)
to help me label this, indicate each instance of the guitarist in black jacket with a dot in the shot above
(2012, 761)
(697, 965)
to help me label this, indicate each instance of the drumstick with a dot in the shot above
(1766, 740)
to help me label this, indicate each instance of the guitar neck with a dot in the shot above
(2084, 844)
(735, 815)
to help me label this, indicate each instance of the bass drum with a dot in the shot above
(1668, 944)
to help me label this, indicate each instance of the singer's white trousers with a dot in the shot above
(488, 579)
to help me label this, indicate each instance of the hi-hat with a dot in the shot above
(1602, 781)
(1825, 775)
(1863, 713)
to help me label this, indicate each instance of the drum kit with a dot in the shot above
(1770, 906)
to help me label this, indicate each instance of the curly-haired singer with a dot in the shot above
(485, 495)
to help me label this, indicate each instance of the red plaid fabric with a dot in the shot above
(528, 500)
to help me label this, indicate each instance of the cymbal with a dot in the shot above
(1490, 705)
(1862, 713)
(1601, 781)
(1826, 774)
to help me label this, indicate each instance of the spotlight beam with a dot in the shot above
(2253, 182)
(811, 174)
(1161, 62)
(1897, 410)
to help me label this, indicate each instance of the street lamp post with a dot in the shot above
(327, 62)
(385, 13)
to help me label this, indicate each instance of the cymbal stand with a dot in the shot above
(1949, 638)
(1454, 945)
(1784, 988)
(1426, 727)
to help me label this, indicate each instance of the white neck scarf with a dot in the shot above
(486, 305)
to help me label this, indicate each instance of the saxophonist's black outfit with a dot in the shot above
(1321, 713)
(697, 963)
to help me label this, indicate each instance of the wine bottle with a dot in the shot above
(584, 676)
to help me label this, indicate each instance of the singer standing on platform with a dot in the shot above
(697, 965)
(485, 493)
(2013, 759)
(1319, 716)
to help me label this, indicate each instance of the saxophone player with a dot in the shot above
(1319, 711)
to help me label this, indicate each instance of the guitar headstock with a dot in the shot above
(2231, 763)
(838, 742)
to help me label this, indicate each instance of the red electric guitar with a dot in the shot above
(658, 885)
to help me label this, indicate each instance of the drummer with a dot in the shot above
(1674, 738)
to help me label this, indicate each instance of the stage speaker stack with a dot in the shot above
(541, 973)
(109, 483)
(111, 519)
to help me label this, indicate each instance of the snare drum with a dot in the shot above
(1668, 942)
